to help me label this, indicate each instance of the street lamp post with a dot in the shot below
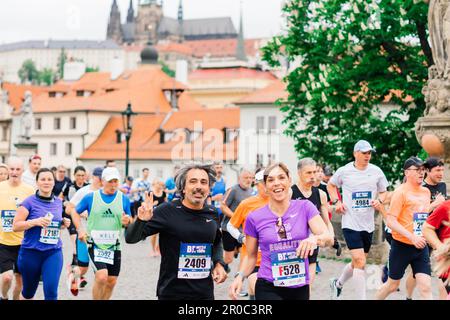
(127, 127)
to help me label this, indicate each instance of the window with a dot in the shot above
(73, 123)
(68, 148)
(272, 124)
(259, 124)
(80, 93)
(52, 94)
(37, 124)
(53, 149)
(270, 159)
(259, 160)
(5, 133)
(57, 124)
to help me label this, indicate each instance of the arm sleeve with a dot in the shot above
(126, 205)
(311, 210)
(27, 203)
(139, 230)
(437, 216)
(250, 227)
(235, 233)
(230, 198)
(382, 183)
(217, 251)
(84, 203)
(336, 178)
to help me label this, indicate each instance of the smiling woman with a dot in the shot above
(282, 231)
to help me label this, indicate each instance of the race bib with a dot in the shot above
(361, 201)
(7, 220)
(105, 237)
(287, 269)
(50, 234)
(195, 261)
(105, 256)
(419, 220)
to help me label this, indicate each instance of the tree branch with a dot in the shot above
(421, 31)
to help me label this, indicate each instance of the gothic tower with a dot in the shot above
(114, 31)
(148, 18)
(130, 15)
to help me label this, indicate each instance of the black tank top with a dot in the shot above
(314, 198)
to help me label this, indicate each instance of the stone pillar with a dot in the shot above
(25, 150)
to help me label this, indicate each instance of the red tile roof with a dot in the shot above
(16, 93)
(142, 87)
(230, 73)
(267, 95)
(144, 142)
(222, 47)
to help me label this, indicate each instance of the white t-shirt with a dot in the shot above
(78, 196)
(29, 178)
(359, 188)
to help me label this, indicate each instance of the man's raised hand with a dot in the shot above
(145, 211)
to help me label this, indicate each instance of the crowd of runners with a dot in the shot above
(198, 225)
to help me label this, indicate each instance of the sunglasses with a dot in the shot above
(281, 229)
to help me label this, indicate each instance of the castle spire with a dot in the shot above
(240, 48)
(130, 16)
(114, 30)
(180, 22)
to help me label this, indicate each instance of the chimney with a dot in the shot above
(181, 74)
(117, 68)
(74, 70)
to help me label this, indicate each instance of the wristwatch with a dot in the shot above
(239, 273)
(335, 201)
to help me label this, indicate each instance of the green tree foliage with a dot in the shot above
(28, 72)
(62, 59)
(352, 54)
(47, 76)
(165, 68)
(92, 69)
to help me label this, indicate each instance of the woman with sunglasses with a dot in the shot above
(40, 216)
(287, 233)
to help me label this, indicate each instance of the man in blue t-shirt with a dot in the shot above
(219, 187)
(171, 188)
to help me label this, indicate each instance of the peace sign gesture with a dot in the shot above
(145, 211)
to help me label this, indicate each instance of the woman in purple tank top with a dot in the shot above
(287, 233)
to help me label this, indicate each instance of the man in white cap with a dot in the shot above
(108, 211)
(363, 186)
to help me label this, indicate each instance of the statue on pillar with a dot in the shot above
(26, 117)
(437, 89)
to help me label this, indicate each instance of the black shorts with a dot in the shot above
(402, 255)
(313, 258)
(8, 258)
(388, 237)
(229, 243)
(265, 290)
(358, 239)
(113, 269)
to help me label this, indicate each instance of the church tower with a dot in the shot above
(148, 18)
(114, 31)
(130, 15)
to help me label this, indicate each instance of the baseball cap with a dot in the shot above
(363, 146)
(432, 162)
(259, 177)
(412, 161)
(97, 172)
(327, 171)
(110, 173)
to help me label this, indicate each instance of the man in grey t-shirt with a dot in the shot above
(363, 186)
(231, 200)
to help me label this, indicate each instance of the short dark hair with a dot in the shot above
(145, 169)
(43, 170)
(79, 168)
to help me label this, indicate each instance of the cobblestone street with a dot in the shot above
(139, 275)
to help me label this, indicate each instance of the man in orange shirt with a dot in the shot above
(238, 219)
(410, 205)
